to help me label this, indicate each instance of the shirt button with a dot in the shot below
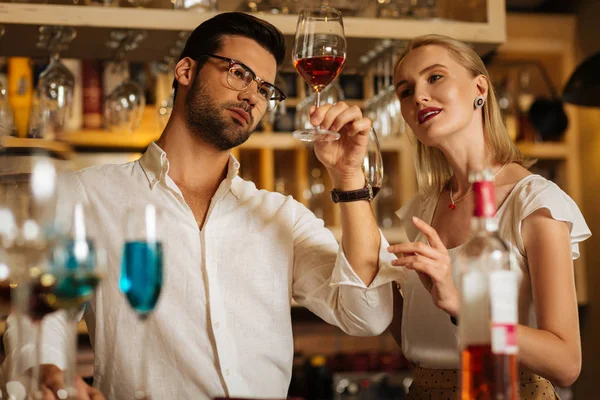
(227, 372)
(217, 325)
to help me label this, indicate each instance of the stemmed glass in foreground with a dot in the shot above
(142, 274)
(27, 205)
(319, 55)
(78, 265)
(373, 163)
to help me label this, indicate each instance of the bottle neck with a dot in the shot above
(483, 225)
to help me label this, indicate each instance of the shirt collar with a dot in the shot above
(155, 165)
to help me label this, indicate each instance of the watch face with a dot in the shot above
(334, 196)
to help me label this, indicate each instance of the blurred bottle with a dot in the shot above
(463, 10)
(7, 117)
(282, 185)
(394, 8)
(298, 381)
(508, 108)
(284, 118)
(424, 9)
(386, 205)
(101, 3)
(20, 92)
(317, 193)
(269, 6)
(163, 97)
(74, 120)
(318, 379)
(525, 99)
(196, 5)
(37, 120)
(488, 314)
(91, 76)
(113, 74)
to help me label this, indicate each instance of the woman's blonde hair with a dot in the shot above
(433, 170)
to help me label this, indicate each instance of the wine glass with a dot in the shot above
(331, 94)
(142, 273)
(373, 163)
(28, 204)
(319, 55)
(7, 116)
(78, 265)
(55, 87)
(124, 106)
(56, 83)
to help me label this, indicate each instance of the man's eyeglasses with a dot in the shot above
(240, 76)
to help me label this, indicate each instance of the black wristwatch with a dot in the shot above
(365, 193)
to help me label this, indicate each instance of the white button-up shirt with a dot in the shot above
(222, 326)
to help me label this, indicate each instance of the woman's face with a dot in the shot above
(437, 94)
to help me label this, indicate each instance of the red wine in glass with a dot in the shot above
(319, 71)
(5, 297)
(319, 54)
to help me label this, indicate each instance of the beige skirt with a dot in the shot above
(443, 384)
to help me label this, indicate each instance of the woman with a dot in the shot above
(449, 103)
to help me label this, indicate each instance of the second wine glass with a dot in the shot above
(319, 55)
(373, 163)
(78, 265)
(142, 274)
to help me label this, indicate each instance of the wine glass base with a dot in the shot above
(316, 135)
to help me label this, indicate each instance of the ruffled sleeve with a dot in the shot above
(538, 193)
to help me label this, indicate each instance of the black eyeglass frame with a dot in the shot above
(258, 80)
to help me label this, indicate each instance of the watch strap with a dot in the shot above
(366, 193)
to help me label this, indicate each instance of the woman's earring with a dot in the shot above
(479, 101)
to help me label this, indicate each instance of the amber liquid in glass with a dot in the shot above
(488, 376)
(318, 72)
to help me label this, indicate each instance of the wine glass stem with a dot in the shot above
(35, 391)
(317, 98)
(143, 393)
(71, 371)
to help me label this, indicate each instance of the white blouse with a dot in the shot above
(429, 339)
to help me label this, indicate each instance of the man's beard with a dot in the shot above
(204, 118)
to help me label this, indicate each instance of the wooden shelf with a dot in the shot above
(544, 151)
(103, 139)
(163, 28)
(61, 150)
(139, 140)
(81, 327)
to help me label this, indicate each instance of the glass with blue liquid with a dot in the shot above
(78, 265)
(142, 273)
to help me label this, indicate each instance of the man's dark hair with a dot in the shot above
(206, 38)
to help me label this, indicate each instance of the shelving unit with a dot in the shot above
(550, 40)
(164, 26)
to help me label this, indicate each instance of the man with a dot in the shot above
(234, 256)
